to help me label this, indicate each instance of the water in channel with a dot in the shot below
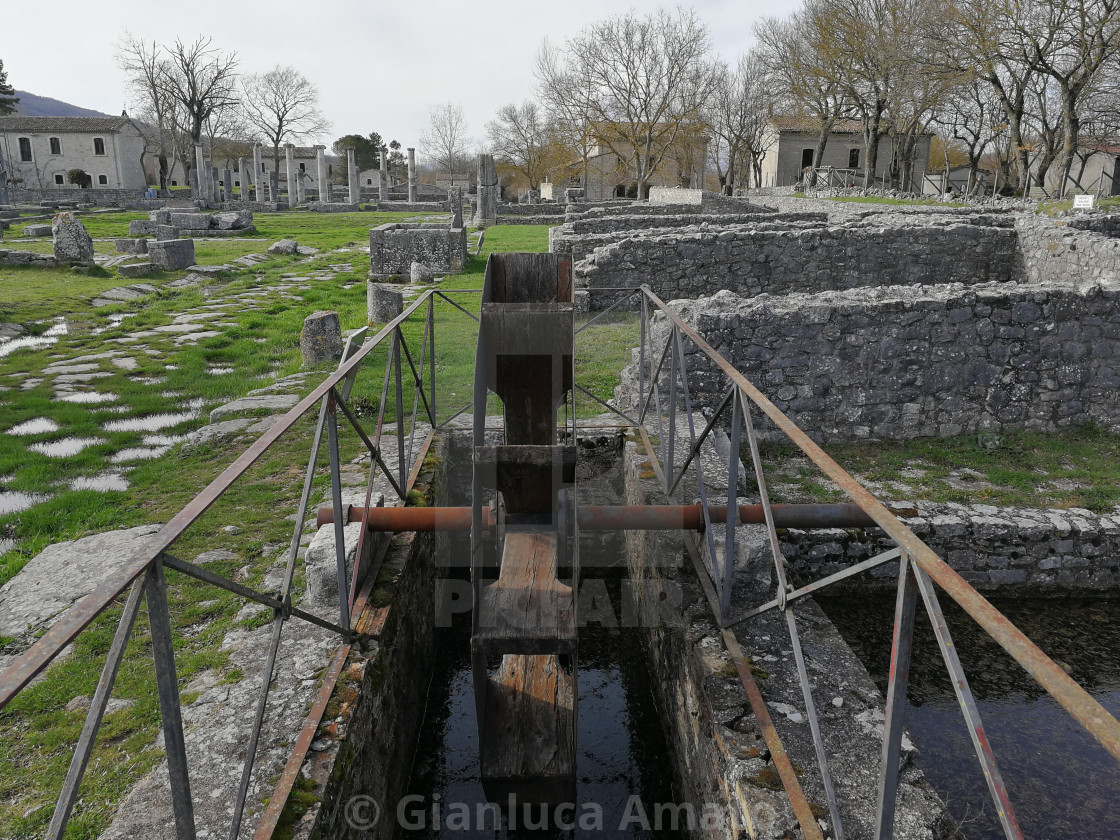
(1063, 785)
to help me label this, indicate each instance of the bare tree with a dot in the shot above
(797, 66)
(446, 141)
(520, 136)
(646, 81)
(144, 66)
(283, 106)
(973, 116)
(202, 79)
(739, 116)
(565, 95)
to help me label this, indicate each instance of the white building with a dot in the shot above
(791, 143)
(38, 152)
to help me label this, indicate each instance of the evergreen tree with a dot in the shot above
(8, 99)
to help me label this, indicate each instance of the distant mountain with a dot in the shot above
(31, 105)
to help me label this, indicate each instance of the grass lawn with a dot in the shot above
(1077, 468)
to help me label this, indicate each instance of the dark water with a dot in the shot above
(621, 750)
(1062, 783)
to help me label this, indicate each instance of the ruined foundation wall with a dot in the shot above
(1009, 551)
(1085, 251)
(690, 265)
(394, 247)
(899, 362)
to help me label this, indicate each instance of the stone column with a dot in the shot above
(383, 180)
(200, 167)
(274, 187)
(257, 179)
(193, 178)
(321, 175)
(289, 155)
(411, 175)
(227, 181)
(352, 177)
(243, 176)
(487, 213)
(301, 187)
(215, 187)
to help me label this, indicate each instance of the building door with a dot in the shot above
(806, 158)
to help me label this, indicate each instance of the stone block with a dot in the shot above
(191, 221)
(72, 242)
(384, 302)
(321, 564)
(285, 247)
(37, 230)
(172, 254)
(234, 220)
(142, 227)
(159, 217)
(165, 232)
(135, 269)
(321, 338)
(131, 246)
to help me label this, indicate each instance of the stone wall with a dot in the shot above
(1056, 252)
(417, 207)
(394, 247)
(582, 238)
(905, 362)
(1009, 551)
(1108, 225)
(690, 265)
(94, 196)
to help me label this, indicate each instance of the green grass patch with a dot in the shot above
(1075, 468)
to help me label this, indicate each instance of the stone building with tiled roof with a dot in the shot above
(36, 153)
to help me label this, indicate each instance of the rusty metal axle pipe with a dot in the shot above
(610, 517)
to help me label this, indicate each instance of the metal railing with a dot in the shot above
(142, 574)
(919, 569)
(664, 389)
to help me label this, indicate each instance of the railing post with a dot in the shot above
(642, 362)
(167, 686)
(670, 444)
(339, 525)
(729, 544)
(401, 466)
(895, 712)
(69, 793)
(432, 356)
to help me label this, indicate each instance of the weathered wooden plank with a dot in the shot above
(527, 610)
(529, 278)
(530, 721)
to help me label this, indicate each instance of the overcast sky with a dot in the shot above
(379, 66)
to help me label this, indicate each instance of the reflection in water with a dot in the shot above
(12, 501)
(66, 447)
(103, 483)
(621, 748)
(38, 426)
(1062, 784)
(151, 423)
(35, 342)
(89, 397)
(138, 453)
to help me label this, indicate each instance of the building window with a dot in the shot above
(56, 146)
(853, 158)
(103, 180)
(174, 183)
(237, 183)
(301, 169)
(330, 170)
(369, 181)
(806, 158)
(25, 149)
(98, 146)
(58, 179)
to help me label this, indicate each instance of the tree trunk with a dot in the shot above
(818, 152)
(872, 133)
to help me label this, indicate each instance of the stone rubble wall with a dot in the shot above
(694, 264)
(570, 239)
(905, 362)
(1058, 253)
(16, 257)
(394, 247)
(726, 206)
(1109, 225)
(1012, 551)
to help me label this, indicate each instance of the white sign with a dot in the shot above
(1083, 202)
